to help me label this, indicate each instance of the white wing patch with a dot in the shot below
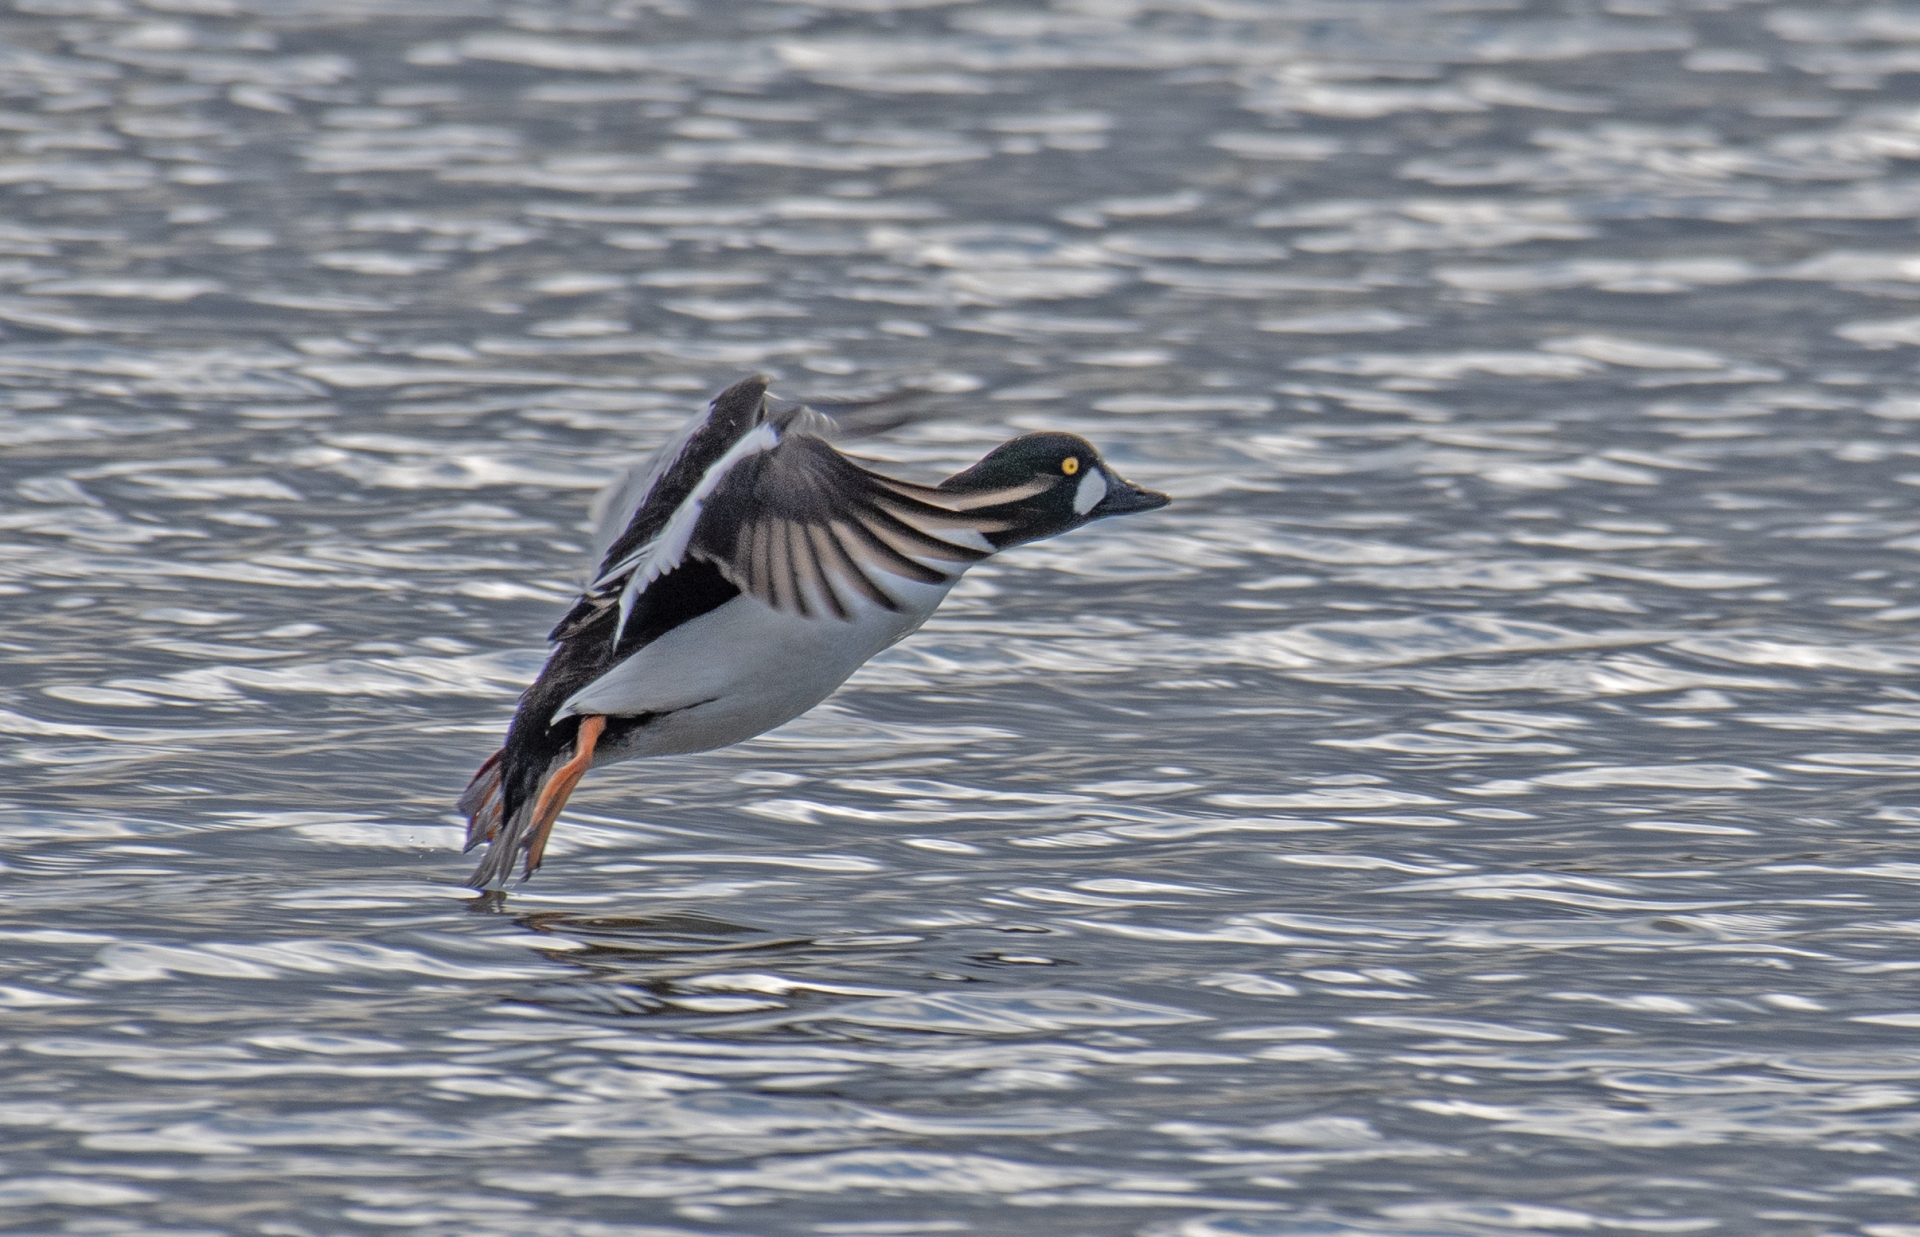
(1093, 488)
(971, 538)
(656, 558)
(614, 507)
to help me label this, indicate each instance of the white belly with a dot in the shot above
(742, 669)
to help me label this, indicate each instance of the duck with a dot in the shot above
(741, 575)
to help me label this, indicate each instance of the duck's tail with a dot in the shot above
(491, 819)
(514, 808)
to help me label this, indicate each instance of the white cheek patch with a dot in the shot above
(1093, 488)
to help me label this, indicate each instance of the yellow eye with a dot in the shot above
(1070, 465)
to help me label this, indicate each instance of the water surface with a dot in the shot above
(1483, 802)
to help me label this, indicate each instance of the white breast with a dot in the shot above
(744, 668)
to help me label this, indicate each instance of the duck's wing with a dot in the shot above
(632, 508)
(803, 528)
(622, 498)
(629, 514)
(786, 518)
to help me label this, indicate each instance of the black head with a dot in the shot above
(1049, 483)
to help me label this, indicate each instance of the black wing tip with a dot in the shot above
(747, 402)
(741, 405)
(753, 386)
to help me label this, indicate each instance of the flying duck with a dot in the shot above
(743, 574)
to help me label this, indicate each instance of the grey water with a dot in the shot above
(1484, 802)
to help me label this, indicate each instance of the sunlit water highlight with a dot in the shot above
(1482, 803)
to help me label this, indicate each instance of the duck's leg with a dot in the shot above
(553, 796)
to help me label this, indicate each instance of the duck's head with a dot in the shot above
(1047, 484)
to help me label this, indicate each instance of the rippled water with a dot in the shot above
(1483, 802)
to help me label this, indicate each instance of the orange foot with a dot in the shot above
(553, 796)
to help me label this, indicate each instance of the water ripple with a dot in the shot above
(1478, 804)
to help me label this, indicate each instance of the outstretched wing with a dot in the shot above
(633, 509)
(783, 516)
(630, 515)
(804, 528)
